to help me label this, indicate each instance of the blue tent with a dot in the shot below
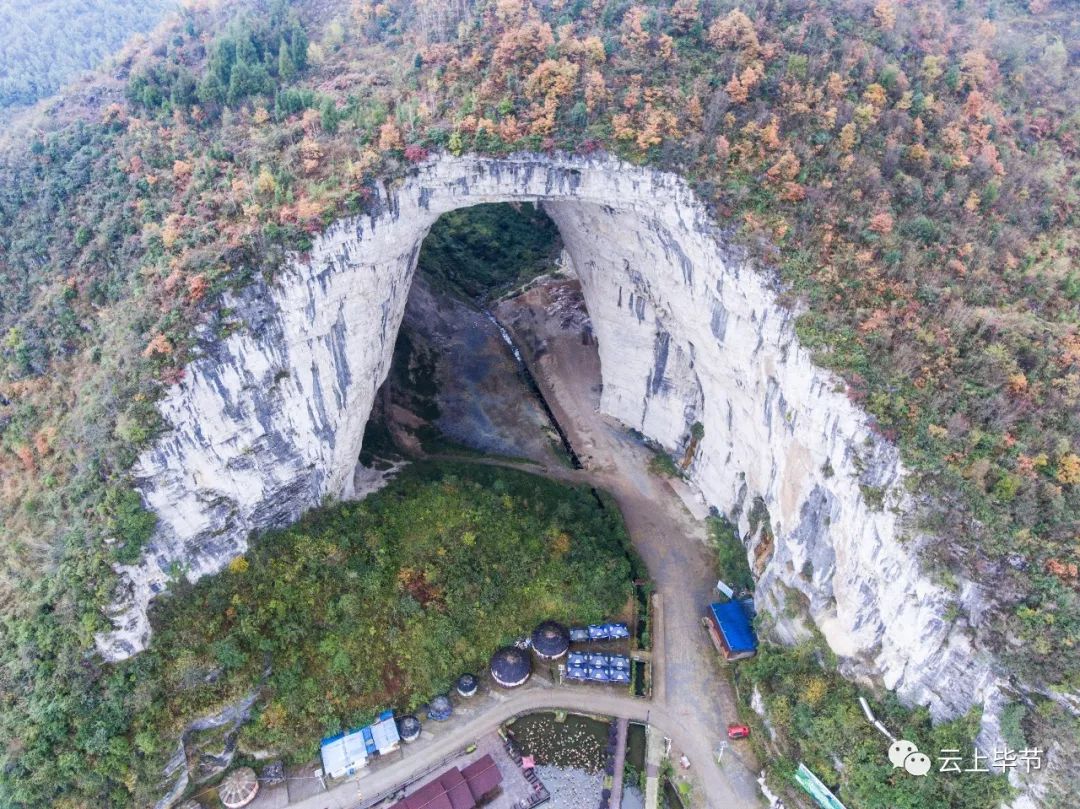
(619, 662)
(596, 660)
(576, 673)
(369, 741)
(620, 675)
(599, 675)
(440, 708)
(734, 627)
(616, 631)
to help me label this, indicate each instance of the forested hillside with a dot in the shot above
(908, 170)
(46, 43)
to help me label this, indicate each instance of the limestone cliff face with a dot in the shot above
(270, 421)
(689, 333)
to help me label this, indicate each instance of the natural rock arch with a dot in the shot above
(270, 420)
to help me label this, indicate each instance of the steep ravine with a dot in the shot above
(270, 420)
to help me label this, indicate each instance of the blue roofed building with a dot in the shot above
(731, 630)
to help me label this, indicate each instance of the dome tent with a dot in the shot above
(551, 640)
(440, 708)
(239, 788)
(466, 685)
(510, 667)
(410, 728)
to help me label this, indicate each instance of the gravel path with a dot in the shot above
(577, 789)
(570, 788)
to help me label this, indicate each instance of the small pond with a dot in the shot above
(576, 742)
(635, 746)
(570, 757)
(669, 797)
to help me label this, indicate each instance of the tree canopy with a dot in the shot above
(46, 43)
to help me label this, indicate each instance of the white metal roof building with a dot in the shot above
(346, 753)
(384, 734)
(343, 755)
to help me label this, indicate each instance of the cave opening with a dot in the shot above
(493, 287)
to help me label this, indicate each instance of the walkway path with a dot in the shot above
(620, 762)
(654, 754)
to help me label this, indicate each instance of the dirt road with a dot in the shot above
(666, 522)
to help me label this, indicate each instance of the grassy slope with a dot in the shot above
(816, 717)
(910, 165)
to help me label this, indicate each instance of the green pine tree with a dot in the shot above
(286, 66)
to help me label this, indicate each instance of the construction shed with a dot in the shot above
(731, 631)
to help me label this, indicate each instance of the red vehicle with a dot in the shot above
(737, 731)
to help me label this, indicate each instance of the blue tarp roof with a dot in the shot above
(732, 620)
(368, 741)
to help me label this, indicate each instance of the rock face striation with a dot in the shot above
(269, 421)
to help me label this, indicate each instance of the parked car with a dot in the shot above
(736, 731)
